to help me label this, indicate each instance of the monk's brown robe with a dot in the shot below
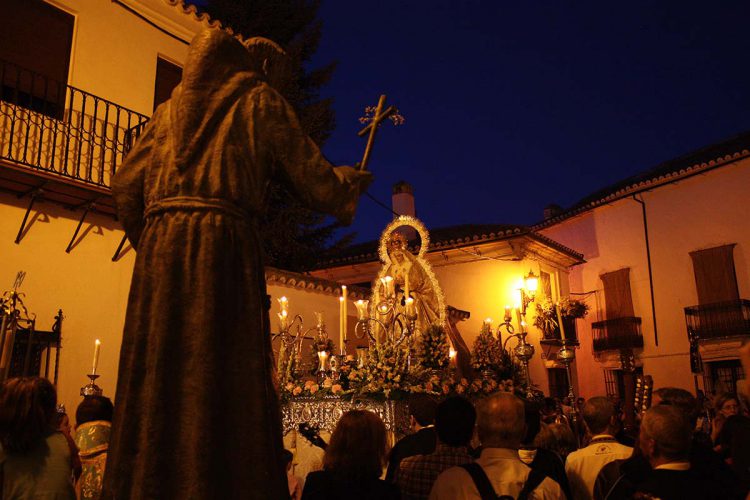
(196, 413)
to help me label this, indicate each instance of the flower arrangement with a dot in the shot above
(311, 388)
(546, 316)
(487, 352)
(385, 371)
(433, 348)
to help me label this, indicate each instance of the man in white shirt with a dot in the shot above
(583, 466)
(500, 424)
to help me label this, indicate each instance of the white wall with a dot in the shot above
(703, 211)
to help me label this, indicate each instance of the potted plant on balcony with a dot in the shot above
(546, 316)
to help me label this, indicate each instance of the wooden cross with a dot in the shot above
(372, 127)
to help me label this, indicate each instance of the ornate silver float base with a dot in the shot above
(325, 413)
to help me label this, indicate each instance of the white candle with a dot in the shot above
(97, 346)
(406, 285)
(452, 357)
(507, 316)
(342, 321)
(560, 321)
(345, 293)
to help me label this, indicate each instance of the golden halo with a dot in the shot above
(400, 221)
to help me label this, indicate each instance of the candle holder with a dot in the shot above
(322, 371)
(91, 389)
(566, 355)
(523, 351)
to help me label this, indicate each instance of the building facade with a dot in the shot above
(666, 272)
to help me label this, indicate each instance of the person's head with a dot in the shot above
(454, 421)
(27, 412)
(564, 441)
(533, 421)
(599, 415)
(726, 405)
(679, 398)
(665, 435)
(287, 457)
(94, 408)
(500, 421)
(358, 446)
(422, 408)
(397, 246)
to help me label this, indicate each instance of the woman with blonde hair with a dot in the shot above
(353, 462)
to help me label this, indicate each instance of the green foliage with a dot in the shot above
(546, 316)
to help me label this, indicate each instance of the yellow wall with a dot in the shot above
(90, 289)
(703, 211)
(114, 52)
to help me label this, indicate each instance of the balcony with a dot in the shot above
(58, 141)
(617, 333)
(719, 320)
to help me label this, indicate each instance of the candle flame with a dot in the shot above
(452, 353)
(97, 342)
(488, 320)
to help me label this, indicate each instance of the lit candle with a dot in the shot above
(362, 309)
(487, 325)
(559, 321)
(283, 304)
(409, 303)
(406, 285)
(97, 346)
(283, 320)
(322, 357)
(452, 357)
(507, 316)
(389, 286)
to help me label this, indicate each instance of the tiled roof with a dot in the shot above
(699, 161)
(312, 283)
(446, 238)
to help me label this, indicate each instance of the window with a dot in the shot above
(715, 278)
(558, 382)
(168, 75)
(614, 382)
(35, 43)
(723, 376)
(618, 300)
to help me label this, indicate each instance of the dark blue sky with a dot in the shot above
(511, 106)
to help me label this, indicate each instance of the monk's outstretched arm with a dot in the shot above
(333, 190)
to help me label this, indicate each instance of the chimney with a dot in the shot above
(551, 211)
(402, 201)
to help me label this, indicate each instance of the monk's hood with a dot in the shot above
(218, 71)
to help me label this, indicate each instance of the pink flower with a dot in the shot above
(289, 387)
(327, 383)
(314, 388)
(336, 389)
(297, 390)
(446, 389)
(428, 387)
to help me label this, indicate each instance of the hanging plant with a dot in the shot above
(546, 316)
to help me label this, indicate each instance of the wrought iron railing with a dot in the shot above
(719, 320)
(58, 129)
(617, 333)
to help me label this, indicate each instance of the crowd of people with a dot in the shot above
(499, 446)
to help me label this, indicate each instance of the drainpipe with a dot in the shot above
(648, 260)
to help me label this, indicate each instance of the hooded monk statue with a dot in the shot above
(196, 413)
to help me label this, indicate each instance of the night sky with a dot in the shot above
(511, 106)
